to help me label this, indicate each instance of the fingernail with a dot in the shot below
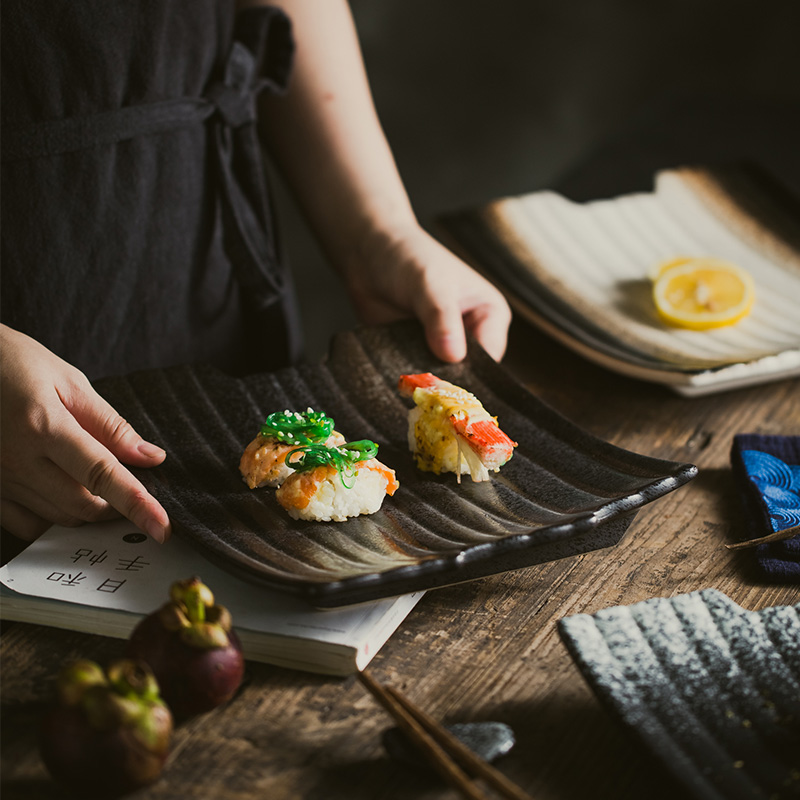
(151, 450)
(157, 531)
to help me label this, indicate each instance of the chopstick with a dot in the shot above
(451, 758)
(777, 536)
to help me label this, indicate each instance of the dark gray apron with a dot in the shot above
(136, 225)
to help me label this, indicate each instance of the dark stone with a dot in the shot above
(489, 740)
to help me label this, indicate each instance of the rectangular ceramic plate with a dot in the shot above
(564, 491)
(582, 272)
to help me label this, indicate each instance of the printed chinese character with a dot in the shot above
(98, 558)
(132, 564)
(110, 585)
(87, 552)
(67, 579)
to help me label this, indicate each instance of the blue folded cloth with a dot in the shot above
(767, 471)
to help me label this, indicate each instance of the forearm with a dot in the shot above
(327, 141)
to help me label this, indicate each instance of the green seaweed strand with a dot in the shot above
(342, 458)
(295, 427)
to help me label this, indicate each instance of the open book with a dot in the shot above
(103, 578)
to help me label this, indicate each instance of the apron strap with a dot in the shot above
(72, 134)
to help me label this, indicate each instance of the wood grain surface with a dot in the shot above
(484, 650)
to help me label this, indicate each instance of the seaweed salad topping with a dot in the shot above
(295, 427)
(342, 458)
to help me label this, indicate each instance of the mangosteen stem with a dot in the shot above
(195, 596)
(195, 607)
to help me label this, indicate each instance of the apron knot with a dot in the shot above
(234, 99)
(260, 58)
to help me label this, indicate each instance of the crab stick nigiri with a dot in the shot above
(334, 483)
(449, 430)
(263, 461)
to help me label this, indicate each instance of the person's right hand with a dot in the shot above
(63, 447)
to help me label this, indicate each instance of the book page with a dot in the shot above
(113, 565)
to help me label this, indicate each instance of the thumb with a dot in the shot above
(101, 421)
(489, 327)
(444, 329)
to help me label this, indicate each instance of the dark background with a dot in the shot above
(485, 99)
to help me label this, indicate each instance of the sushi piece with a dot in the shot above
(334, 483)
(449, 430)
(263, 461)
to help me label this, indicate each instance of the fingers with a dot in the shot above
(447, 320)
(99, 419)
(92, 465)
(63, 446)
(66, 502)
(92, 457)
(444, 331)
(58, 472)
(451, 300)
(22, 522)
(489, 326)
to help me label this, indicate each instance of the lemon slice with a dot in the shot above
(702, 293)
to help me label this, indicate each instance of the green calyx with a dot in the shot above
(294, 427)
(125, 696)
(193, 596)
(76, 678)
(342, 458)
(192, 613)
(205, 636)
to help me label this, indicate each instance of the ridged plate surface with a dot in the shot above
(582, 271)
(564, 492)
(711, 689)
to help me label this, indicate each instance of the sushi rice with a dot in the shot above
(325, 495)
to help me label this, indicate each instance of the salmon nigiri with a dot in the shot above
(449, 430)
(263, 462)
(335, 483)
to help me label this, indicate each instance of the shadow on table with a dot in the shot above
(550, 759)
(572, 748)
(19, 725)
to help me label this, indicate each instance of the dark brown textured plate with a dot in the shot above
(564, 492)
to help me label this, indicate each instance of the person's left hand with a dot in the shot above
(411, 274)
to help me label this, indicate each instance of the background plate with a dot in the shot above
(581, 272)
(713, 690)
(564, 492)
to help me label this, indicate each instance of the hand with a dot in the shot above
(412, 274)
(62, 445)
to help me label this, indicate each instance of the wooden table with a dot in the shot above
(485, 650)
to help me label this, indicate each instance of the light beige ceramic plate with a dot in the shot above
(582, 271)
